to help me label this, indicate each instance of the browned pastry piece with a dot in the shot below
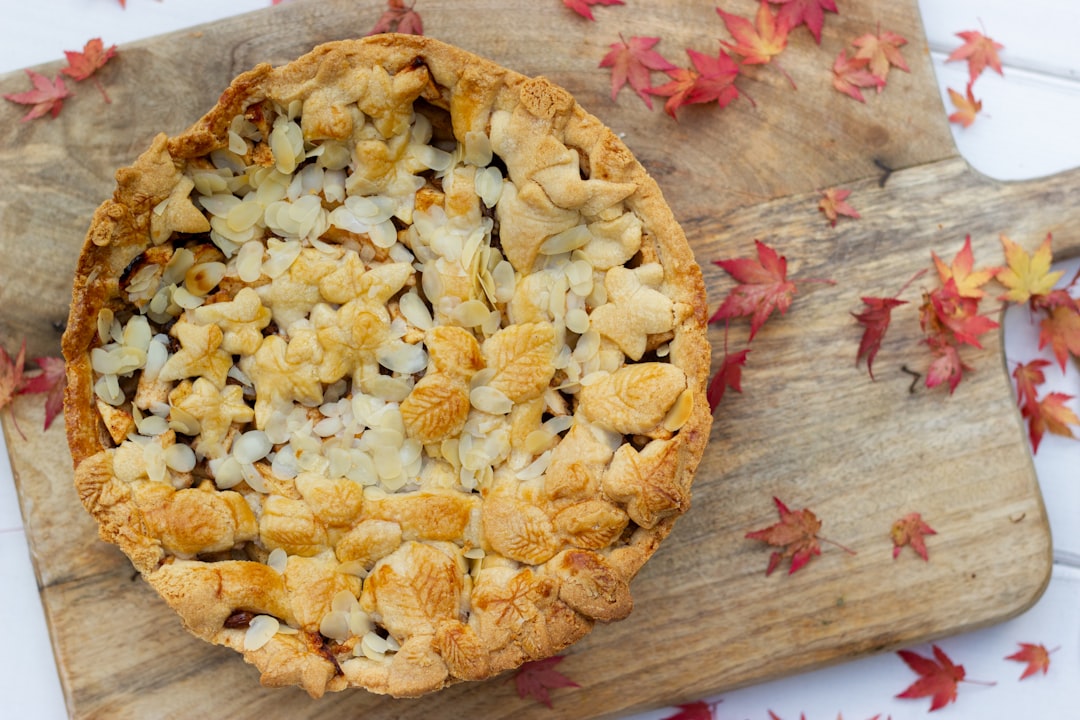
(388, 372)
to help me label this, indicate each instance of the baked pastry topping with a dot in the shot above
(389, 372)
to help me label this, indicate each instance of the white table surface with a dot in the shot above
(1028, 128)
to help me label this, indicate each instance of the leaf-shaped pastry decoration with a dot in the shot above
(633, 399)
(436, 408)
(414, 588)
(521, 357)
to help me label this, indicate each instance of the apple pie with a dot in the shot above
(389, 371)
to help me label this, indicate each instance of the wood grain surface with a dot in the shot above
(809, 427)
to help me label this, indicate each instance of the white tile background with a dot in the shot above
(1028, 129)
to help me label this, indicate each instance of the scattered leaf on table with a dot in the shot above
(911, 530)
(632, 61)
(1029, 376)
(1037, 658)
(851, 75)
(811, 13)
(834, 204)
(967, 107)
(82, 65)
(883, 52)
(46, 97)
(12, 380)
(1060, 329)
(582, 7)
(938, 678)
(968, 281)
(712, 79)
(756, 43)
(1027, 277)
(763, 287)
(946, 367)
(399, 17)
(537, 678)
(796, 532)
(50, 381)
(728, 376)
(979, 51)
(875, 319)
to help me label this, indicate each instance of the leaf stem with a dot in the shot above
(101, 89)
(845, 548)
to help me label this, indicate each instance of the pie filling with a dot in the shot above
(426, 385)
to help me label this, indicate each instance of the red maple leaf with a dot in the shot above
(760, 42)
(46, 97)
(875, 319)
(909, 530)
(967, 107)
(12, 380)
(51, 381)
(728, 376)
(796, 532)
(946, 365)
(938, 679)
(1028, 377)
(953, 317)
(712, 79)
(834, 204)
(1051, 415)
(805, 12)
(536, 678)
(1037, 658)
(82, 65)
(763, 287)
(632, 61)
(883, 52)
(697, 710)
(398, 17)
(852, 74)
(979, 51)
(581, 7)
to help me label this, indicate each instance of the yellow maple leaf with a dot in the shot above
(1027, 276)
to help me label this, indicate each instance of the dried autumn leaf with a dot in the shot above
(946, 367)
(82, 65)
(697, 710)
(51, 381)
(582, 7)
(1060, 329)
(763, 287)
(632, 61)
(834, 204)
(1051, 415)
(883, 52)
(796, 532)
(811, 13)
(952, 317)
(760, 42)
(852, 74)
(910, 530)
(12, 380)
(537, 678)
(979, 51)
(1028, 377)
(967, 107)
(399, 17)
(728, 376)
(938, 679)
(713, 79)
(968, 280)
(1037, 658)
(1028, 277)
(875, 319)
(46, 97)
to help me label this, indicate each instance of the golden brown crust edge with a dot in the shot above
(568, 593)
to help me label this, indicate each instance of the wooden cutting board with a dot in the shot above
(809, 427)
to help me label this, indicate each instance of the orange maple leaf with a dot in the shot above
(1060, 329)
(1028, 277)
(1028, 377)
(883, 52)
(82, 65)
(979, 51)
(1037, 658)
(961, 271)
(910, 530)
(760, 42)
(850, 75)
(1051, 415)
(967, 107)
(834, 204)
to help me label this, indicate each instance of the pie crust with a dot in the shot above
(389, 372)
